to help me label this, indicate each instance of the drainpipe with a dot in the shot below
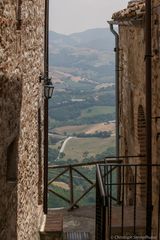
(46, 70)
(148, 66)
(117, 83)
(117, 100)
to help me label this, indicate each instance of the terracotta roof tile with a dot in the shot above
(135, 10)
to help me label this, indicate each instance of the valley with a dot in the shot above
(82, 111)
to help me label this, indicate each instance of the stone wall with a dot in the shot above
(21, 62)
(132, 100)
(132, 86)
(132, 103)
(156, 108)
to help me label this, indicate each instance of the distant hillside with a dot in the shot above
(99, 38)
(88, 54)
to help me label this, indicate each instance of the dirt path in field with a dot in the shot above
(64, 144)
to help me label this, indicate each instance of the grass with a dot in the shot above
(71, 129)
(76, 148)
(97, 110)
(91, 128)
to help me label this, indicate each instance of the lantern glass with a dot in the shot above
(48, 90)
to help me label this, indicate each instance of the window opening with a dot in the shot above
(12, 158)
(19, 3)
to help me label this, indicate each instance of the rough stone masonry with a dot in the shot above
(21, 104)
(132, 95)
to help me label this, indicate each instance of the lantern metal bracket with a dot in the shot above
(44, 78)
(48, 86)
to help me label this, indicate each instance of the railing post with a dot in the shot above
(100, 228)
(71, 185)
(119, 186)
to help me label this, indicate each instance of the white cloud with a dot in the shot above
(67, 16)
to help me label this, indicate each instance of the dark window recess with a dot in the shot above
(12, 158)
(18, 17)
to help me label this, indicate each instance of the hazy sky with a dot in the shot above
(68, 16)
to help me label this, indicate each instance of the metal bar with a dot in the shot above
(45, 201)
(40, 169)
(71, 185)
(58, 195)
(119, 185)
(117, 102)
(88, 190)
(133, 165)
(111, 202)
(138, 183)
(96, 162)
(104, 223)
(109, 217)
(148, 67)
(109, 172)
(158, 233)
(98, 212)
(122, 230)
(59, 175)
(81, 174)
(115, 199)
(46, 29)
(76, 165)
(117, 83)
(108, 161)
(101, 185)
(135, 200)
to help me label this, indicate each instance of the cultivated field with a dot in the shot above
(90, 128)
(76, 148)
(97, 110)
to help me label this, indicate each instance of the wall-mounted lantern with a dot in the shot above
(48, 86)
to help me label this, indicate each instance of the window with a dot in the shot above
(18, 17)
(12, 157)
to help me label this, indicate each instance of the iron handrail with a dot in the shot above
(100, 184)
(106, 159)
(108, 186)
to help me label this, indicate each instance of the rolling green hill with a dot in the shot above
(82, 70)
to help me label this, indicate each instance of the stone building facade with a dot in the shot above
(132, 94)
(21, 118)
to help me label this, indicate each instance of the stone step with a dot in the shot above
(53, 229)
(127, 231)
(129, 215)
(77, 236)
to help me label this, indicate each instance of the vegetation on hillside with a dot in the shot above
(82, 69)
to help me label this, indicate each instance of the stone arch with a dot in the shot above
(141, 127)
(142, 174)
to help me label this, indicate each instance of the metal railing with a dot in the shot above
(101, 204)
(71, 172)
(125, 216)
